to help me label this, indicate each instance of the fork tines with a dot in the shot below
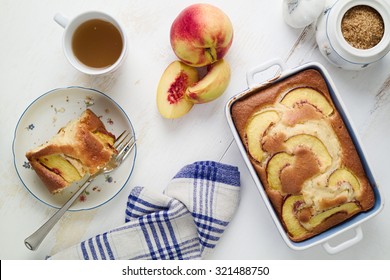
(124, 143)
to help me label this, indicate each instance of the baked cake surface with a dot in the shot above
(81, 147)
(303, 154)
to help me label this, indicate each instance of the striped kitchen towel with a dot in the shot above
(185, 222)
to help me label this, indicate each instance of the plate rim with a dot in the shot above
(51, 92)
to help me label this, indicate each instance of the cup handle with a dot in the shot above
(61, 20)
(338, 248)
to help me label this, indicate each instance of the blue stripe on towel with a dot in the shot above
(206, 244)
(108, 247)
(208, 236)
(164, 236)
(172, 235)
(84, 251)
(156, 237)
(100, 247)
(208, 227)
(195, 187)
(219, 172)
(209, 219)
(145, 203)
(92, 248)
(150, 239)
(147, 238)
(137, 207)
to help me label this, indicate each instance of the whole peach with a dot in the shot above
(201, 34)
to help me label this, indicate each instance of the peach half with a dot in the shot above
(171, 100)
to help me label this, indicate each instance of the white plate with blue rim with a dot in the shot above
(44, 117)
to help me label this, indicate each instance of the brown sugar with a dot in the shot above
(362, 27)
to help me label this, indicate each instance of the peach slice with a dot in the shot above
(255, 130)
(290, 208)
(105, 138)
(299, 149)
(314, 145)
(171, 100)
(344, 176)
(274, 168)
(348, 208)
(310, 96)
(295, 204)
(305, 156)
(59, 165)
(213, 84)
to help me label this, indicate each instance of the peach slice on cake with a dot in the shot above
(290, 209)
(342, 177)
(105, 138)
(61, 166)
(287, 173)
(304, 157)
(347, 208)
(304, 95)
(298, 219)
(175, 80)
(314, 145)
(275, 167)
(255, 130)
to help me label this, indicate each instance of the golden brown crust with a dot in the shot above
(77, 141)
(305, 165)
(52, 181)
(292, 177)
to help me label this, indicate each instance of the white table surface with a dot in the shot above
(32, 63)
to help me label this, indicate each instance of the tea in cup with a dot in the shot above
(93, 42)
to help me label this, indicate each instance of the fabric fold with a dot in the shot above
(185, 222)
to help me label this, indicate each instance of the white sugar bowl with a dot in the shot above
(353, 34)
(301, 13)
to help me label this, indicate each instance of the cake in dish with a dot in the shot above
(303, 154)
(81, 147)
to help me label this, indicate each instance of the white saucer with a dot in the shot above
(44, 117)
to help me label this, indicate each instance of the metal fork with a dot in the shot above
(124, 145)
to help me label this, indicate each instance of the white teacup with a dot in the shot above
(71, 26)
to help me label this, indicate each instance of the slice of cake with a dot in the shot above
(81, 147)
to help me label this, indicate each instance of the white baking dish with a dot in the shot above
(351, 224)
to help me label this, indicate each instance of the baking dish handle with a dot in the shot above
(338, 248)
(250, 75)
